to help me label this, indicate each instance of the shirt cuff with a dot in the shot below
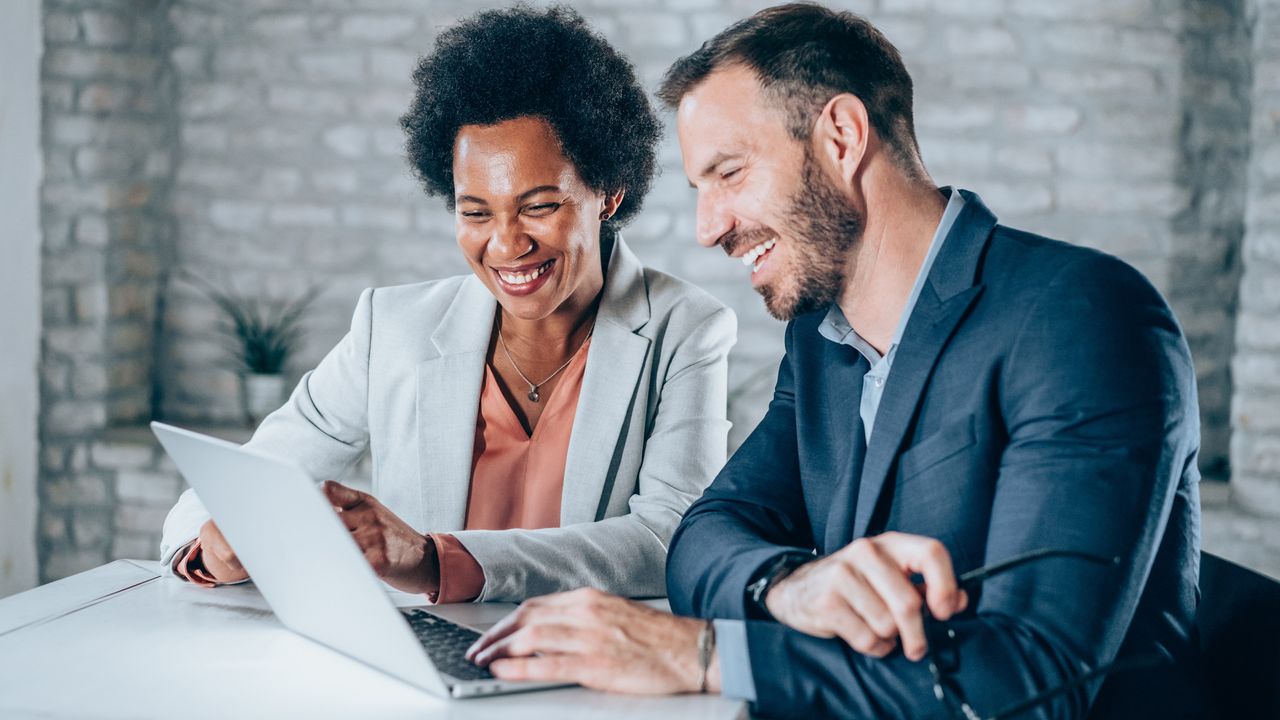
(735, 662)
(461, 577)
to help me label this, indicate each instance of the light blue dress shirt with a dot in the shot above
(731, 635)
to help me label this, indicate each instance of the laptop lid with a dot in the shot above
(299, 554)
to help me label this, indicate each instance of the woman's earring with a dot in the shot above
(604, 216)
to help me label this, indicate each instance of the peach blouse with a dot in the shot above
(516, 479)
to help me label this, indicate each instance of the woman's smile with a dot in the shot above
(521, 280)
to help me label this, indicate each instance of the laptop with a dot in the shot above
(330, 594)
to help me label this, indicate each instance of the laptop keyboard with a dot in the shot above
(447, 643)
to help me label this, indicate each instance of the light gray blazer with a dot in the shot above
(649, 435)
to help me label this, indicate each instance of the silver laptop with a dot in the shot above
(268, 507)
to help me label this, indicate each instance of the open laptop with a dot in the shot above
(268, 507)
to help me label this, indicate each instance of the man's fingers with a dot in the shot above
(898, 594)
(536, 640)
(543, 668)
(864, 600)
(341, 496)
(546, 610)
(855, 632)
(929, 558)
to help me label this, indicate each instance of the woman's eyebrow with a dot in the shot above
(534, 191)
(523, 196)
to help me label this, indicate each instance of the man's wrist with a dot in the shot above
(768, 578)
(713, 674)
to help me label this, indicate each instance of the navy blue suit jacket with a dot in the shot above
(1042, 397)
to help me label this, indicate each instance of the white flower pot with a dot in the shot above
(262, 395)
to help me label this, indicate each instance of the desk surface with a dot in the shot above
(120, 642)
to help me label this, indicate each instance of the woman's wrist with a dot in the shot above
(430, 568)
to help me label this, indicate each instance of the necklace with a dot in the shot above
(533, 387)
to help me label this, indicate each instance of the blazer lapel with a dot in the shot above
(448, 401)
(615, 361)
(943, 302)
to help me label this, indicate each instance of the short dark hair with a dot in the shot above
(805, 54)
(504, 64)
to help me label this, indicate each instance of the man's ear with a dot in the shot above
(842, 134)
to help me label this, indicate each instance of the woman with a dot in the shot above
(542, 423)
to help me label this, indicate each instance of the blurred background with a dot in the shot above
(147, 145)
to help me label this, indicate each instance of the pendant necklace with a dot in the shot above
(533, 387)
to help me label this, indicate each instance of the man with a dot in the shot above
(955, 394)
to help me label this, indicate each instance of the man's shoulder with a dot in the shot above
(1021, 265)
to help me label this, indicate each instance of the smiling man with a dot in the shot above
(959, 401)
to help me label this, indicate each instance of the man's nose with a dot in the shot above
(714, 219)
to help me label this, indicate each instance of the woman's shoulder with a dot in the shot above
(422, 303)
(678, 301)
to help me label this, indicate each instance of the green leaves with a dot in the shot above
(263, 333)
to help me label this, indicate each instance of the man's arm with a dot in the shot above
(1099, 400)
(752, 513)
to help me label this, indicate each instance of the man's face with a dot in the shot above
(763, 196)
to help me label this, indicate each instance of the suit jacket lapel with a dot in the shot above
(448, 401)
(615, 361)
(943, 302)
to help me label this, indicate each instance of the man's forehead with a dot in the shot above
(725, 91)
(725, 114)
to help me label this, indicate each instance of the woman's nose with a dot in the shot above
(508, 242)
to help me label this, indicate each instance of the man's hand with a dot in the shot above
(597, 640)
(863, 594)
(398, 553)
(218, 558)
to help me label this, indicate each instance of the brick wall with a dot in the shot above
(1255, 443)
(256, 144)
(107, 116)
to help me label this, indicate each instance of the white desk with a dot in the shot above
(120, 642)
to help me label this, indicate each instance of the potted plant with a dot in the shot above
(264, 333)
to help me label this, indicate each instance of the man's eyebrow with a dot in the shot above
(715, 162)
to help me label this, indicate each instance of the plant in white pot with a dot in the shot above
(264, 333)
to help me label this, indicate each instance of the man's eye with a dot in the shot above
(542, 209)
(729, 174)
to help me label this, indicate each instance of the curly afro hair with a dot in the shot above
(503, 64)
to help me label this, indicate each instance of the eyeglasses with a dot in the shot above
(944, 651)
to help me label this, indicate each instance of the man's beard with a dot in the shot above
(824, 228)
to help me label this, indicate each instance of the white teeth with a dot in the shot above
(749, 259)
(524, 278)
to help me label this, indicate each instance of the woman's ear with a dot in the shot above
(842, 134)
(610, 204)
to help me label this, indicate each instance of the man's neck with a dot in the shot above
(901, 218)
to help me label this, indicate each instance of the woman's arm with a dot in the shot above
(323, 426)
(626, 555)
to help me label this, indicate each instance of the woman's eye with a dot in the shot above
(474, 214)
(542, 209)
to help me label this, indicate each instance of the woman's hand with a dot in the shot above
(217, 557)
(398, 553)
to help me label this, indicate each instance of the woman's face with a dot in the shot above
(525, 221)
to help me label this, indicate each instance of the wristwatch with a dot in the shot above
(771, 575)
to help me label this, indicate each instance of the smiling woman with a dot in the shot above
(542, 423)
